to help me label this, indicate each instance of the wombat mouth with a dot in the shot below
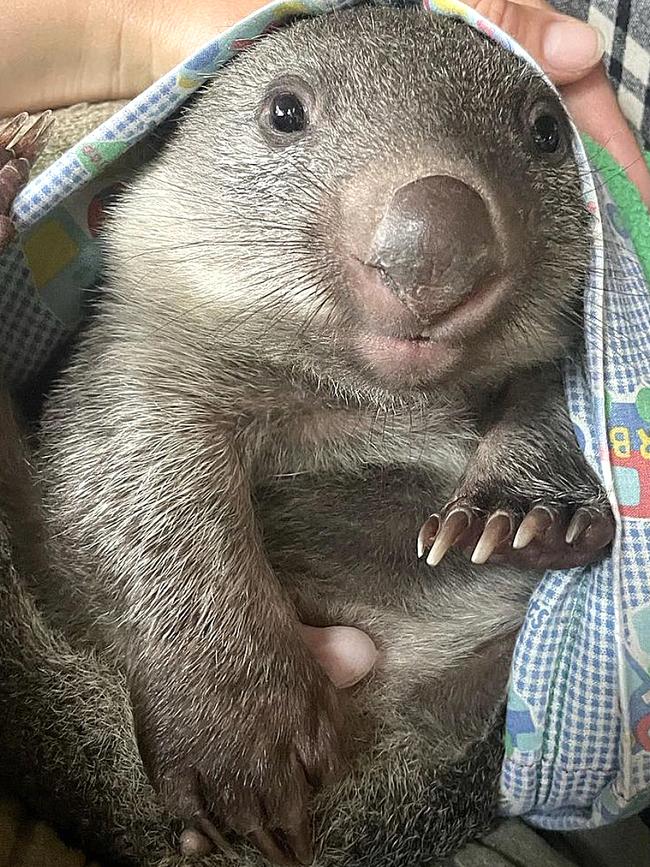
(397, 339)
(463, 317)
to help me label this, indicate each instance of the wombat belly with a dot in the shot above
(345, 550)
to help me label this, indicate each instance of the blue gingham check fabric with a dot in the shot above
(578, 717)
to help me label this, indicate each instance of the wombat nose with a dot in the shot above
(434, 243)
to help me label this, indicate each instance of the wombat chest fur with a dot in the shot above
(337, 301)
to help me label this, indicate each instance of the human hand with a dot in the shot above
(63, 52)
(569, 51)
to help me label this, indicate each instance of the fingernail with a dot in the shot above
(572, 45)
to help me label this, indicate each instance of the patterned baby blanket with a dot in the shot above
(578, 720)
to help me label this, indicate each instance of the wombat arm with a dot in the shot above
(188, 538)
(534, 444)
(528, 497)
(208, 639)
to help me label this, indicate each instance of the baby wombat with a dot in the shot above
(336, 301)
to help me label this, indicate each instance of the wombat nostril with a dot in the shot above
(435, 243)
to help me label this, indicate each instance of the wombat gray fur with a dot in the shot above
(266, 407)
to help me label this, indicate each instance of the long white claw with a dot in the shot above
(536, 522)
(579, 523)
(451, 530)
(427, 534)
(497, 530)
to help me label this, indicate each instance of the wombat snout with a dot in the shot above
(434, 244)
(432, 260)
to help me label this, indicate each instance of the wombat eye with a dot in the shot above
(286, 111)
(546, 131)
(287, 114)
(546, 134)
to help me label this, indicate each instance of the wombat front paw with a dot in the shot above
(242, 758)
(20, 145)
(525, 534)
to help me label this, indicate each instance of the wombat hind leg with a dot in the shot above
(68, 752)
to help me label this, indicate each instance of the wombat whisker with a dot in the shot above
(604, 146)
(317, 289)
(588, 317)
(316, 184)
(615, 244)
(153, 252)
(167, 323)
(618, 271)
(222, 236)
(609, 174)
(241, 317)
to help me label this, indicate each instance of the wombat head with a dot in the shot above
(383, 198)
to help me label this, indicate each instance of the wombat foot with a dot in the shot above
(230, 756)
(492, 527)
(16, 163)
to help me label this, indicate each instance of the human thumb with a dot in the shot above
(346, 654)
(564, 47)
